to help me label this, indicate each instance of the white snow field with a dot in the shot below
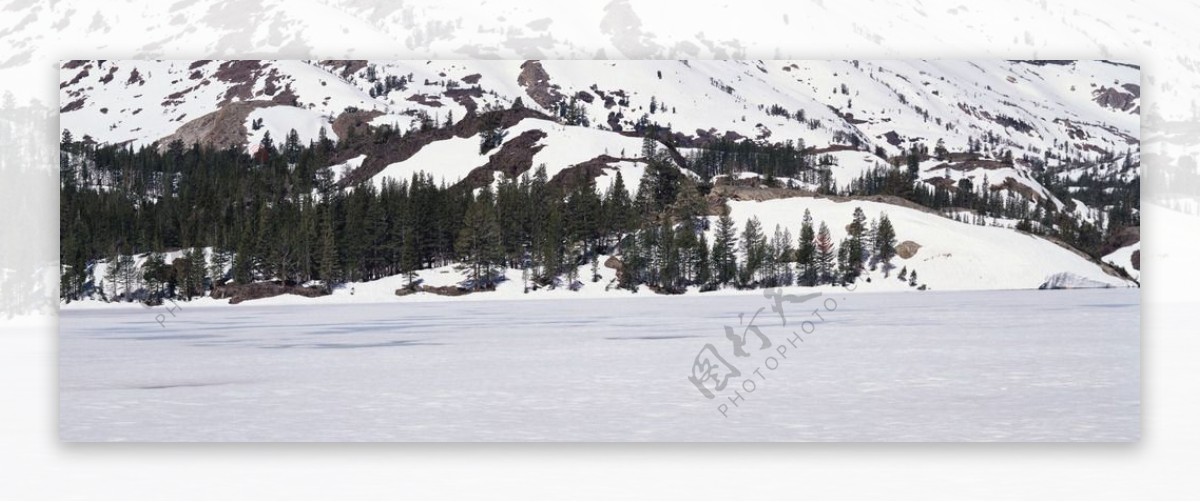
(953, 255)
(935, 366)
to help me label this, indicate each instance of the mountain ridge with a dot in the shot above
(1048, 147)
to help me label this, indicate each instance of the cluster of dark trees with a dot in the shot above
(727, 156)
(670, 258)
(278, 215)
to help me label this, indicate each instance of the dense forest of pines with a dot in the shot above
(279, 215)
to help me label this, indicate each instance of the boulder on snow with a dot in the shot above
(907, 249)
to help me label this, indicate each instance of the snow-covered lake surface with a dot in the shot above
(932, 366)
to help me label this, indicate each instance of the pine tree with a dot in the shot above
(479, 240)
(753, 247)
(410, 260)
(196, 267)
(633, 262)
(328, 264)
(551, 244)
(724, 256)
(913, 161)
(243, 261)
(824, 255)
(847, 266)
(806, 252)
(118, 275)
(670, 273)
(857, 247)
(154, 275)
(618, 209)
(869, 242)
(658, 188)
(778, 261)
(788, 259)
(375, 235)
(128, 276)
(703, 273)
(885, 241)
(583, 216)
(649, 148)
(511, 212)
(687, 248)
(218, 264)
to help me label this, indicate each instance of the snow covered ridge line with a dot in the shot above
(817, 101)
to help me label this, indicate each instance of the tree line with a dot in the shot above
(277, 215)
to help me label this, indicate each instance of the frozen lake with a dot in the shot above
(933, 366)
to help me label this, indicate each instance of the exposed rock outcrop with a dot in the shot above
(907, 249)
(537, 85)
(238, 293)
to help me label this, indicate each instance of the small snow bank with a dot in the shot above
(1123, 258)
(345, 168)
(1067, 280)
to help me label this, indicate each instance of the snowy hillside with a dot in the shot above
(561, 146)
(1084, 111)
(1092, 106)
(1000, 174)
(950, 255)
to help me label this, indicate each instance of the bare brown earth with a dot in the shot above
(348, 66)
(590, 169)
(223, 128)
(1018, 187)
(515, 156)
(241, 74)
(357, 121)
(398, 149)
(1117, 99)
(465, 97)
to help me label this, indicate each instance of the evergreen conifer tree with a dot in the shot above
(806, 252)
(724, 256)
(824, 255)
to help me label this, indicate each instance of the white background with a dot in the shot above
(33, 37)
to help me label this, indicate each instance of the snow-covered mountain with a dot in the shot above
(1087, 108)
(1000, 126)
